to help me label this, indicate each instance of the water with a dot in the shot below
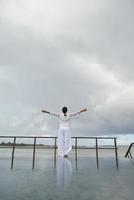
(64, 179)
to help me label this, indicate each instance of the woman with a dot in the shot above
(64, 134)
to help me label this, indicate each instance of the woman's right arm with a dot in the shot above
(54, 114)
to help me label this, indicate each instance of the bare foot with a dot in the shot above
(65, 156)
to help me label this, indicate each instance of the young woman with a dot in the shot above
(64, 134)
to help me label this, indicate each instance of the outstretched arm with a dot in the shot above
(79, 112)
(54, 114)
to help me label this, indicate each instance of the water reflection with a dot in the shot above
(66, 183)
(98, 162)
(64, 171)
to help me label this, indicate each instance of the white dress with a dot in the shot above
(64, 133)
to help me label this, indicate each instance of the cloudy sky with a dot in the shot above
(77, 53)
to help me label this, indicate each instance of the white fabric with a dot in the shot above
(64, 133)
(64, 121)
(64, 141)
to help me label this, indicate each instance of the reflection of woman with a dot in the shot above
(64, 172)
(64, 135)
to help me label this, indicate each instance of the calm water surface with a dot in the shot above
(65, 178)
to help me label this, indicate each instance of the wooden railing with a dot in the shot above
(96, 139)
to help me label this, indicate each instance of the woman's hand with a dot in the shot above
(83, 110)
(45, 111)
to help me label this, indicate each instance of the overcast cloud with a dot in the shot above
(77, 53)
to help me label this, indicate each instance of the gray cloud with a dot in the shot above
(76, 53)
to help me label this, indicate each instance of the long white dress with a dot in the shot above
(64, 133)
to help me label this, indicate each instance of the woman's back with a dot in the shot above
(64, 120)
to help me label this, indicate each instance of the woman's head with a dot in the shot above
(64, 110)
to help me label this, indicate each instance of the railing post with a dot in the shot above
(97, 158)
(13, 152)
(76, 152)
(55, 144)
(34, 147)
(116, 153)
(75, 147)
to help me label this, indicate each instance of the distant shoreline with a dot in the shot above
(41, 146)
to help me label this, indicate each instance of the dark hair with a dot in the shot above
(64, 110)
